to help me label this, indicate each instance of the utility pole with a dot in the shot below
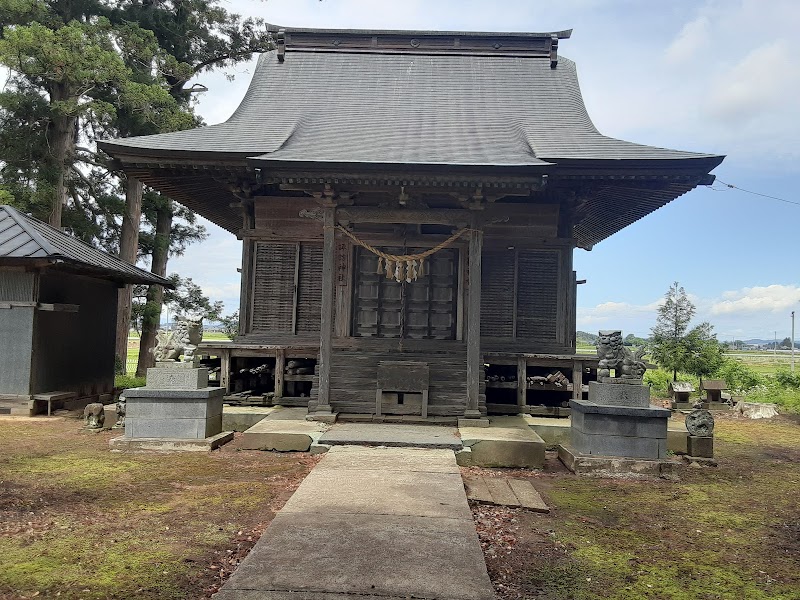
(791, 343)
(775, 349)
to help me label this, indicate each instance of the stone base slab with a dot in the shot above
(624, 431)
(173, 414)
(507, 442)
(619, 394)
(123, 443)
(610, 466)
(177, 378)
(282, 435)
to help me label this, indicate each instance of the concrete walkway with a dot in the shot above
(372, 524)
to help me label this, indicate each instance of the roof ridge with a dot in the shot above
(23, 221)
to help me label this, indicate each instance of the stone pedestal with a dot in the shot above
(176, 405)
(700, 446)
(618, 421)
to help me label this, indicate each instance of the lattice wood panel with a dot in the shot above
(273, 287)
(422, 309)
(497, 293)
(537, 294)
(309, 288)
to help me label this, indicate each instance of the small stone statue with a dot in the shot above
(610, 352)
(633, 365)
(121, 403)
(94, 416)
(700, 423)
(183, 340)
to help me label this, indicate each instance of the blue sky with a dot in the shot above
(718, 76)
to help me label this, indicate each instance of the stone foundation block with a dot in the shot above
(177, 378)
(619, 394)
(700, 446)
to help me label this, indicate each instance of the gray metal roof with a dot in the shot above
(681, 386)
(23, 237)
(399, 108)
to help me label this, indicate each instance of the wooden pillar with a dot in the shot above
(280, 371)
(577, 380)
(246, 289)
(326, 318)
(522, 384)
(474, 324)
(225, 370)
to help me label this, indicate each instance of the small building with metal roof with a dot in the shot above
(58, 310)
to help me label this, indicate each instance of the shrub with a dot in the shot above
(128, 381)
(787, 379)
(739, 377)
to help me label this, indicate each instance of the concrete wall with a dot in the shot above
(16, 330)
(75, 351)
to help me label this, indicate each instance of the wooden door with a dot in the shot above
(422, 309)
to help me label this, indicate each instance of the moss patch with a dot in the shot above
(78, 519)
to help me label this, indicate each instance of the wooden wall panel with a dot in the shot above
(497, 293)
(280, 218)
(538, 284)
(309, 288)
(273, 289)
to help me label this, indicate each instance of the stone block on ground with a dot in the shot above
(242, 418)
(612, 466)
(392, 435)
(513, 444)
(124, 443)
(677, 440)
(700, 446)
(282, 435)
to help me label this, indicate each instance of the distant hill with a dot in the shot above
(586, 338)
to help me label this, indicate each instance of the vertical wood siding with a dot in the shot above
(277, 306)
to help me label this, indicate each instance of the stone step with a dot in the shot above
(391, 435)
(503, 491)
(284, 430)
(507, 442)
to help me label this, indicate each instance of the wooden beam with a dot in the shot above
(326, 309)
(474, 325)
(369, 214)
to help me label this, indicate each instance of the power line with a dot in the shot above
(736, 187)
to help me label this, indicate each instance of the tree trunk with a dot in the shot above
(674, 374)
(155, 293)
(60, 141)
(128, 246)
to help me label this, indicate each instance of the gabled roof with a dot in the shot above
(681, 386)
(407, 109)
(714, 384)
(23, 239)
(333, 103)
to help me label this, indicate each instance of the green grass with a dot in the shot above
(726, 532)
(78, 521)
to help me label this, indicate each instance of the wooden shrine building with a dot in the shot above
(409, 203)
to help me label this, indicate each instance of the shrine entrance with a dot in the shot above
(417, 309)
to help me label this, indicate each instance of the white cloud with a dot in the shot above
(691, 38)
(771, 298)
(765, 79)
(754, 312)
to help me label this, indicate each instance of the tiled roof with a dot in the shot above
(23, 237)
(402, 108)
